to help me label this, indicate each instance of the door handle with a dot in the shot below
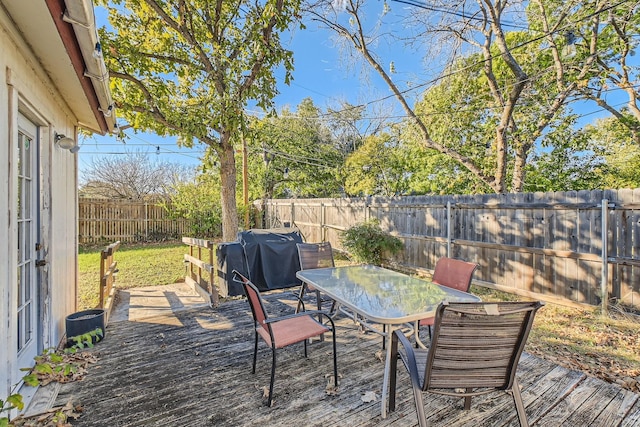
(41, 262)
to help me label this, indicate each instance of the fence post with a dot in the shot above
(448, 229)
(212, 274)
(103, 284)
(366, 209)
(293, 214)
(146, 221)
(323, 229)
(108, 269)
(604, 280)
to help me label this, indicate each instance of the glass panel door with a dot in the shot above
(26, 327)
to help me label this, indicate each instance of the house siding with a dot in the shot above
(26, 88)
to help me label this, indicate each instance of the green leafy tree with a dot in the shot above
(569, 161)
(378, 167)
(603, 35)
(505, 91)
(189, 68)
(199, 201)
(615, 142)
(298, 154)
(436, 173)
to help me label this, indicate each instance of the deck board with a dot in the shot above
(191, 366)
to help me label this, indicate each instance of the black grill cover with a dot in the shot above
(269, 258)
(272, 257)
(229, 257)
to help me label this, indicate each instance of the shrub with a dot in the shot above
(367, 242)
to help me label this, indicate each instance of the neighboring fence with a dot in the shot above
(543, 245)
(103, 220)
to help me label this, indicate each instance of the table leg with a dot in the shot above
(387, 370)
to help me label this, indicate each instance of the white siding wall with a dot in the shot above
(25, 86)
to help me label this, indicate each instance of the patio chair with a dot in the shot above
(452, 273)
(314, 255)
(279, 332)
(475, 350)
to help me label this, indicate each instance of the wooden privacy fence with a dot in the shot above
(200, 269)
(101, 220)
(108, 270)
(564, 246)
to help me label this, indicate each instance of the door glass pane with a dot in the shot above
(20, 153)
(20, 331)
(27, 279)
(28, 330)
(20, 198)
(20, 234)
(20, 276)
(26, 203)
(27, 155)
(27, 243)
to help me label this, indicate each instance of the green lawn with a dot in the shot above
(138, 265)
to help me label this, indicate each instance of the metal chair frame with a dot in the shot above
(476, 347)
(282, 331)
(314, 255)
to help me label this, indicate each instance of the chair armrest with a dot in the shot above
(410, 358)
(297, 296)
(300, 314)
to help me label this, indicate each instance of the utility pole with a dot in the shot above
(245, 182)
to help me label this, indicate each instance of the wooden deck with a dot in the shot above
(190, 365)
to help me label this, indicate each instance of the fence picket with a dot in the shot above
(103, 220)
(546, 244)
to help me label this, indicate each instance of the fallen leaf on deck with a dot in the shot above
(265, 392)
(369, 396)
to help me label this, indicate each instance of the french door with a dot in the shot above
(26, 294)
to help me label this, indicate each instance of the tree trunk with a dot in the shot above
(228, 188)
(519, 167)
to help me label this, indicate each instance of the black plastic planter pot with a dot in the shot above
(82, 322)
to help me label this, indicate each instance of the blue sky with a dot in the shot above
(321, 73)
(317, 74)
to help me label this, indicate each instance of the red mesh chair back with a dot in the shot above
(454, 273)
(255, 302)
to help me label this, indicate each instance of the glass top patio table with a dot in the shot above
(382, 296)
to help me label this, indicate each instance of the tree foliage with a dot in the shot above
(189, 68)
(298, 154)
(615, 142)
(199, 201)
(378, 167)
(504, 94)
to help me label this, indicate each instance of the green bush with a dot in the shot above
(367, 242)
